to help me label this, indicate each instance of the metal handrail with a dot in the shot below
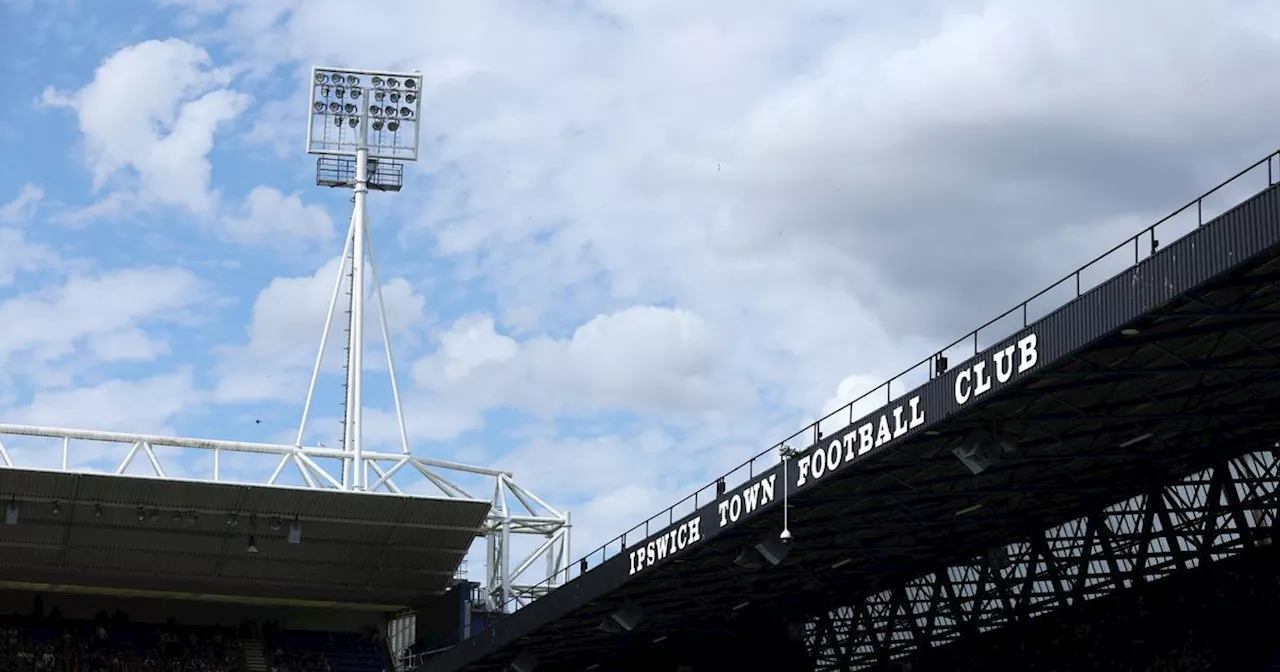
(811, 433)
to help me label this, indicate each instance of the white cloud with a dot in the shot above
(285, 329)
(21, 208)
(856, 387)
(272, 217)
(145, 406)
(643, 358)
(154, 107)
(98, 315)
(17, 253)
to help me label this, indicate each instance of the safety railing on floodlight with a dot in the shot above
(1022, 316)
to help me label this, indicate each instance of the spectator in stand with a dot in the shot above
(63, 648)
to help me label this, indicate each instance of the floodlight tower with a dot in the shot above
(363, 126)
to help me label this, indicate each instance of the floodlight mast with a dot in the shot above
(358, 102)
(364, 126)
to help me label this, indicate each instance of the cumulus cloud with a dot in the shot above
(285, 327)
(153, 109)
(272, 217)
(18, 254)
(21, 208)
(59, 322)
(843, 187)
(140, 406)
(644, 358)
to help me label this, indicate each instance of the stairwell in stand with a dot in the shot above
(255, 660)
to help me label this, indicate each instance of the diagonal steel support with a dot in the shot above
(1201, 518)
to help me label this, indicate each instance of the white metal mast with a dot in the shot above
(364, 127)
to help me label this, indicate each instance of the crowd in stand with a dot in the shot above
(284, 658)
(48, 643)
(310, 651)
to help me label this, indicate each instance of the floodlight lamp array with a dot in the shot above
(351, 109)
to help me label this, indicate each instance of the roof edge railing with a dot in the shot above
(668, 516)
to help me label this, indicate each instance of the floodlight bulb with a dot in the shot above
(409, 98)
(339, 92)
(355, 93)
(349, 108)
(320, 78)
(352, 122)
(409, 84)
(375, 110)
(405, 112)
(393, 126)
(337, 121)
(319, 107)
(395, 96)
(352, 80)
(393, 82)
(377, 125)
(326, 92)
(377, 81)
(379, 95)
(335, 108)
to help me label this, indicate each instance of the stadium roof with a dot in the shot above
(1152, 373)
(191, 538)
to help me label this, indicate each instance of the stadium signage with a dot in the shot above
(983, 376)
(875, 432)
(671, 542)
(752, 497)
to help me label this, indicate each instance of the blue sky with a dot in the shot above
(645, 239)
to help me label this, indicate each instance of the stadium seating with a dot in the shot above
(54, 645)
(307, 651)
(114, 644)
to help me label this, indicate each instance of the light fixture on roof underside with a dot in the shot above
(1131, 332)
(252, 547)
(1136, 440)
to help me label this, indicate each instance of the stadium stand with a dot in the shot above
(49, 643)
(344, 575)
(61, 632)
(1201, 620)
(1051, 491)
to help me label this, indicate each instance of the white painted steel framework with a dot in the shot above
(365, 124)
(373, 118)
(515, 510)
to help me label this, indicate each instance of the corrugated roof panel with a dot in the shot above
(179, 532)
